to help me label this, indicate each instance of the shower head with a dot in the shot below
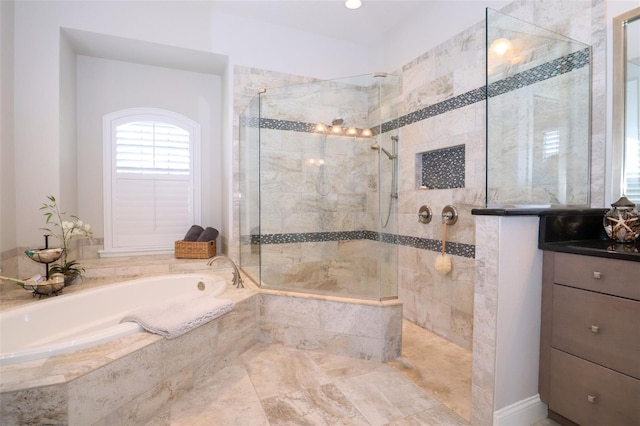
(337, 121)
(387, 153)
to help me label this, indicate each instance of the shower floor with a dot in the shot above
(438, 366)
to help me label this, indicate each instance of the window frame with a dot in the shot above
(110, 122)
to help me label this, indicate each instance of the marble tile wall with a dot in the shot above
(359, 330)
(485, 321)
(442, 107)
(347, 268)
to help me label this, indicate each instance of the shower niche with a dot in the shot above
(318, 187)
(441, 168)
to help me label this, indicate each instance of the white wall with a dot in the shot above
(37, 127)
(519, 301)
(68, 122)
(7, 167)
(42, 124)
(105, 86)
(258, 44)
(438, 22)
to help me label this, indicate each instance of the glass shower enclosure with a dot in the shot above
(538, 96)
(318, 187)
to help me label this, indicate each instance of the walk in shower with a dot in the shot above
(318, 187)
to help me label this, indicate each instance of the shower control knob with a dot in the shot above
(424, 214)
(449, 215)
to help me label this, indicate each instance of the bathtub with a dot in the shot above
(68, 323)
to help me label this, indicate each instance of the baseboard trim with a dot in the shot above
(522, 413)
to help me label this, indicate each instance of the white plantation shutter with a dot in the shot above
(151, 193)
(151, 147)
(550, 144)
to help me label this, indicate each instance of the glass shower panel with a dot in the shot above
(386, 97)
(538, 115)
(319, 189)
(249, 189)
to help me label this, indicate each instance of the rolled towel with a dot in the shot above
(193, 233)
(209, 234)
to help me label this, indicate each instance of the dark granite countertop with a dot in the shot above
(599, 248)
(575, 230)
(581, 232)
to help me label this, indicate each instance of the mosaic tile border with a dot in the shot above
(571, 62)
(546, 71)
(288, 125)
(455, 249)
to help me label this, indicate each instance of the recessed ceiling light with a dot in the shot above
(353, 4)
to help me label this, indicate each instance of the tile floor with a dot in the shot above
(438, 366)
(275, 385)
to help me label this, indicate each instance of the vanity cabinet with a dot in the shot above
(590, 339)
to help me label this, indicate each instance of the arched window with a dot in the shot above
(151, 180)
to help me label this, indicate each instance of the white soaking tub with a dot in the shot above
(68, 323)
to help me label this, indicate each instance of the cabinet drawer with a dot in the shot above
(610, 276)
(589, 394)
(597, 327)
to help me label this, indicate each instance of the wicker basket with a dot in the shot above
(195, 250)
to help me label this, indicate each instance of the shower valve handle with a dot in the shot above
(449, 215)
(424, 214)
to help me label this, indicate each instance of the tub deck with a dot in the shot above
(104, 381)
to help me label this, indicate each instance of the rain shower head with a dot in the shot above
(377, 147)
(337, 121)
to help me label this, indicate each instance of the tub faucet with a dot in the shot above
(237, 279)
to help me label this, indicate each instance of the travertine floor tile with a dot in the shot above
(383, 395)
(341, 367)
(325, 405)
(308, 388)
(276, 370)
(437, 416)
(227, 398)
(440, 367)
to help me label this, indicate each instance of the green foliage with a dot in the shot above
(64, 230)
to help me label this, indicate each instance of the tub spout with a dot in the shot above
(237, 279)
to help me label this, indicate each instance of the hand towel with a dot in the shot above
(193, 233)
(209, 234)
(175, 317)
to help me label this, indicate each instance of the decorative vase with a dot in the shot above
(622, 222)
(70, 279)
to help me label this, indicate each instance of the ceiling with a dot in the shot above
(329, 18)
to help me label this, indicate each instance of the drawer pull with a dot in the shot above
(591, 399)
(595, 329)
(597, 275)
